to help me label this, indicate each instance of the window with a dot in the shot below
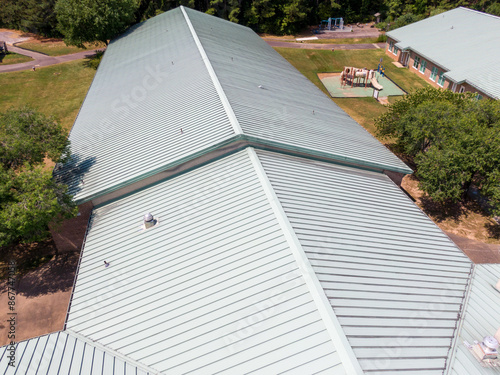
(479, 97)
(462, 90)
(416, 62)
(434, 74)
(422, 66)
(391, 45)
(396, 49)
(441, 79)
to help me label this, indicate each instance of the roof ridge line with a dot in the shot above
(333, 326)
(477, 11)
(103, 347)
(452, 352)
(215, 80)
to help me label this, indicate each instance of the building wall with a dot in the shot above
(70, 234)
(447, 85)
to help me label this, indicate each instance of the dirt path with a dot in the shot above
(41, 59)
(276, 43)
(42, 299)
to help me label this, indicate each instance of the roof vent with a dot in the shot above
(486, 352)
(149, 221)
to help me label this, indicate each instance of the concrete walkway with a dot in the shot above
(276, 43)
(40, 59)
(478, 252)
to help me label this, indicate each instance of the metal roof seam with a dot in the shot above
(329, 318)
(220, 91)
(112, 352)
(454, 344)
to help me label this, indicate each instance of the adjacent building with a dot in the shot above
(275, 241)
(455, 50)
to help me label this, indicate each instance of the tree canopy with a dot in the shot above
(453, 139)
(84, 19)
(89, 21)
(30, 198)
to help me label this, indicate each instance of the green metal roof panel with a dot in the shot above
(462, 41)
(275, 102)
(481, 317)
(178, 85)
(394, 280)
(214, 288)
(67, 353)
(151, 102)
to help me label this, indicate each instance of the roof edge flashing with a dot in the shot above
(224, 148)
(215, 80)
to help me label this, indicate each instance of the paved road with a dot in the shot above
(41, 59)
(276, 43)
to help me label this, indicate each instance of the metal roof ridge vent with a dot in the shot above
(215, 80)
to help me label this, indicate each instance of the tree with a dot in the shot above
(453, 139)
(30, 198)
(91, 21)
(494, 9)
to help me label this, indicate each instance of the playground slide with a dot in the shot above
(375, 83)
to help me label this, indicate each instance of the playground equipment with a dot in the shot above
(359, 77)
(332, 23)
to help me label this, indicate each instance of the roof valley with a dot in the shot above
(218, 87)
(328, 316)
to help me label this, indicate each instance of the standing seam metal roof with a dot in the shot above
(315, 264)
(394, 280)
(213, 289)
(67, 353)
(462, 41)
(184, 83)
(481, 317)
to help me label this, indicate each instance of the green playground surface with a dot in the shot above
(332, 83)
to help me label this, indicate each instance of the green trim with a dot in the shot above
(256, 142)
(174, 175)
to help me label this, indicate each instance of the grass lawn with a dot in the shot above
(13, 58)
(333, 41)
(311, 62)
(54, 48)
(363, 110)
(56, 90)
(344, 41)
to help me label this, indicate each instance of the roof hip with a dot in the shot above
(337, 335)
(213, 76)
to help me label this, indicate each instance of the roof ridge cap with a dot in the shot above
(328, 316)
(478, 12)
(215, 80)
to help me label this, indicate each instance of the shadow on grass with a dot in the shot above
(493, 230)
(93, 61)
(442, 211)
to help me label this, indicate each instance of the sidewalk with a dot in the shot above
(41, 59)
(478, 252)
(276, 43)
